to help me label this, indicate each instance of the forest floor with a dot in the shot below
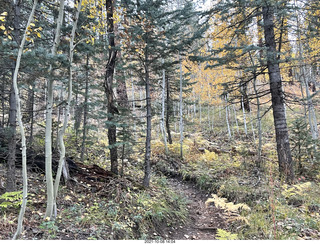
(202, 222)
(216, 192)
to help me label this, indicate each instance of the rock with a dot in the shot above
(186, 236)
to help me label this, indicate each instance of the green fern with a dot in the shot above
(11, 199)
(228, 206)
(225, 235)
(298, 189)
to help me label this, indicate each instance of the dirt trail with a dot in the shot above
(202, 223)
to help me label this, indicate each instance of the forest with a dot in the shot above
(159, 120)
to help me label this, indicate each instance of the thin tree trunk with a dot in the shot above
(236, 120)
(21, 126)
(11, 167)
(147, 169)
(110, 67)
(59, 108)
(280, 123)
(3, 102)
(227, 118)
(212, 122)
(48, 131)
(169, 111)
(31, 115)
(244, 116)
(181, 110)
(311, 113)
(134, 111)
(62, 149)
(85, 112)
(252, 127)
(163, 130)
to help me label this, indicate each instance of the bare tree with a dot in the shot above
(19, 118)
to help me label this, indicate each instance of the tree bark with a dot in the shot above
(62, 149)
(227, 117)
(147, 168)
(163, 130)
(277, 97)
(23, 137)
(108, 84)
(31, 114)
(85, 112)
(181, 109)
(169, 111)
(122, 92)
(48, 131)
(11, 168)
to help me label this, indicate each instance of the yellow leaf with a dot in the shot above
(67, 198)
(28, 39)
(38, 34)
(3, 19)
(32, 24)
(2, 27)
(10, 38)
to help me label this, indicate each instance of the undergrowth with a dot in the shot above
(277, 211)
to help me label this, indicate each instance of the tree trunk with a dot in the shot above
(62, 149)
(134, 111)
(48, 131)
(181, 110)
(147, 168)
(245, 99)
(163, 130)
(169, 111)
(227, 118)
(31, 114)
(236, 120)
(244, 116)
(122, 92)
(108, 84)
(85, 112)
(277, 97)
(3, 103)
(11, 168)
(19, 118)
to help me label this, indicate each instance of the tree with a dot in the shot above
(19, 117)
(108, 85)
(277, 98)
(237, 16)
(62, 160)
(49, 108)
(11, 178)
